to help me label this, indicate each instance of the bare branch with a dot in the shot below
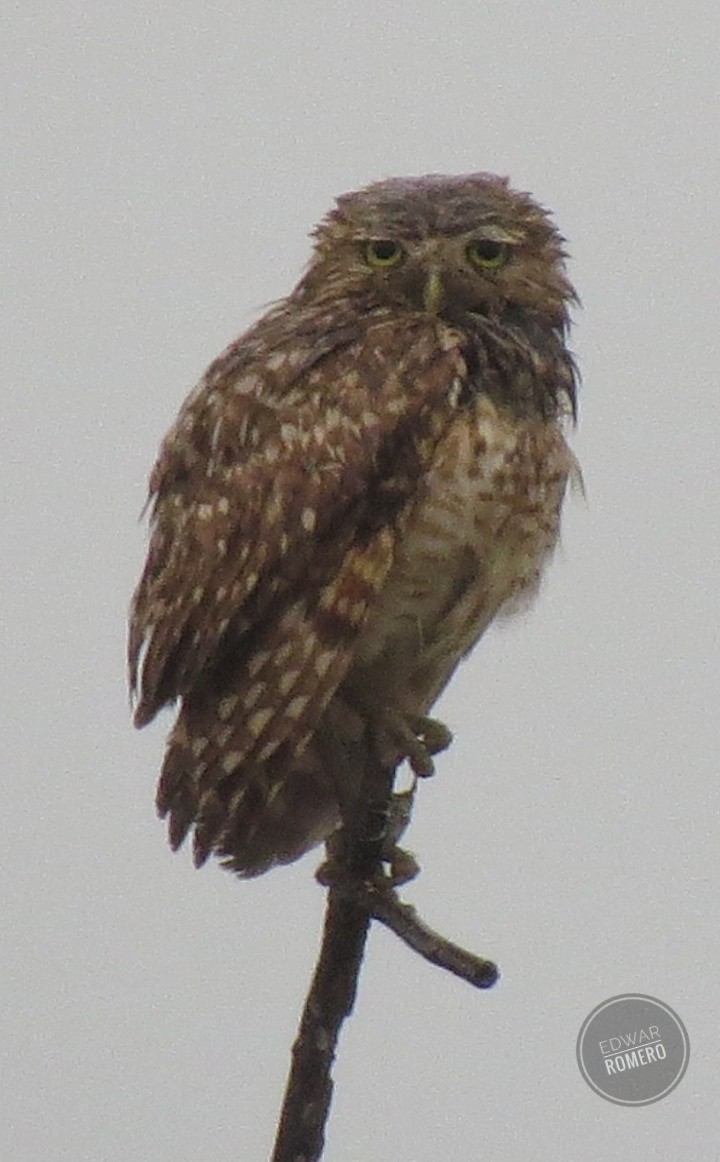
(384, 905)
(359, 891)
(356, 853)
(301, 1129)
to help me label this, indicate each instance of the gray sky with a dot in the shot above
(164, 164)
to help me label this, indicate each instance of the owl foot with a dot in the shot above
(413, 737)
(402, 867)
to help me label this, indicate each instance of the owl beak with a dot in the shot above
(433, 292)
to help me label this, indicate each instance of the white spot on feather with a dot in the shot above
(232, 761)
(270, 747)
(454, 393)
(257, 662)
(283, 653)
(295, 708)
(254, 694)
(287, 681)
(323, 662)
(259, 720)
(226, 707)
(274, 791)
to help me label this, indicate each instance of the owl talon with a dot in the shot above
(435, 734)
(415, 738)
(403, 867)
(328, 874)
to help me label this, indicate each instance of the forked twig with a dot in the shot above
(359, 891)
(384, 905)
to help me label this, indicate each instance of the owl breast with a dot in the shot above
(473, 544)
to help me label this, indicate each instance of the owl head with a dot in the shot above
(456, 247)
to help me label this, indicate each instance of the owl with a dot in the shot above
(356, 488)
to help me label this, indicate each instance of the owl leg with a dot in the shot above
(414, 737)
(403, 865)
(341, 741)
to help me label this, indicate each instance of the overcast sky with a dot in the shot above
(164, 164)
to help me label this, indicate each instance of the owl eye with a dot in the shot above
(383, 252)
(486, 254)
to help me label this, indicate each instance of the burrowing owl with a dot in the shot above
(355, 489)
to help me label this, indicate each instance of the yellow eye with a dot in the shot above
(486, 254)
(383, 252)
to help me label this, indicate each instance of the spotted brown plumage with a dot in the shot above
(352, 493)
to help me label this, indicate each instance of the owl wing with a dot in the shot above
(273, 487)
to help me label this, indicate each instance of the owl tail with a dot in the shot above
(254, 818)
(241, 767)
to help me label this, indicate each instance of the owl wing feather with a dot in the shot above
(275, 471)
(276, 701)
